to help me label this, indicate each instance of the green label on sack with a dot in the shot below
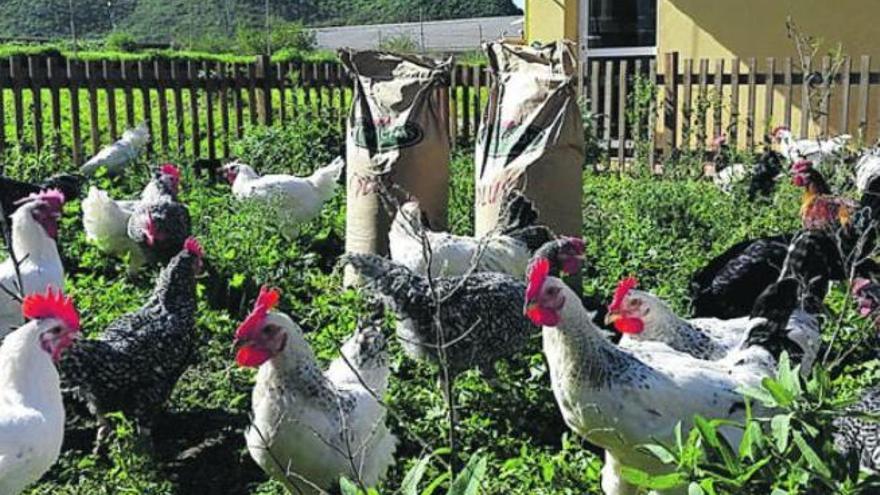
(514, 139)
(382, 135)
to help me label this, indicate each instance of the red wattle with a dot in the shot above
(543, 317)
(629, 325)
(250, 357)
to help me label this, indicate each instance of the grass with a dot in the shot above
(660, 230)
(96, 51)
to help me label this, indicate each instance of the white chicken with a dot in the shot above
(815, 150)
(867, 169)
(641, 317)
(311, 428)
(120, 154)
(105, 220)
(31, 409)
(621, 399)
(34, 234)
(297, 199)
(505, 250)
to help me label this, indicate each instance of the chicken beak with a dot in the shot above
(238, 343)
(610, 318)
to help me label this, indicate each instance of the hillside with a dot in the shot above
(182, 20)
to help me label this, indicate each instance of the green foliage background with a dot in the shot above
(179, 20)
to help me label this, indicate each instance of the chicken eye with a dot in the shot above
(552, 291)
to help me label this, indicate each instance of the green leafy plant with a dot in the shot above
(787, 445)
(467, 482)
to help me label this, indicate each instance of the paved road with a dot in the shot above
(439, 36)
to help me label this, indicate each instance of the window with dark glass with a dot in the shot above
(623, 23)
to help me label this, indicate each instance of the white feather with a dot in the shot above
(298, 199)
(303, 435)
(31, 411)
(452, 255)
(40, 266)
(119, 154)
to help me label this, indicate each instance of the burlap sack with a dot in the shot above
(396, 131)
(531, 137)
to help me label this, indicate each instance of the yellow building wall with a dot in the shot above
(551, 20)
(757, 28)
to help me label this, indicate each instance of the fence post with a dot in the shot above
(74, 72)
(670, 105)
(264, 97)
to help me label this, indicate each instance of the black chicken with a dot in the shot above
(134, 365)
(11, 190)
(764, 173)
(729, 285)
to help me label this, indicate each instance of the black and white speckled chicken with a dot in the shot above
(480, 314)
(135, 363)
(159, 228)
(12, 191)
(311, 427)
(860, 436)
(620, 399)
(106, 220)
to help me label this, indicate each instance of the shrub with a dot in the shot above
(283, 35)
(120, 41)
(293, 147)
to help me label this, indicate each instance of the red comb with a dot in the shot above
(779, 128)
(52, 304)
(170, 169)
(802, 166)
(266, 301)
(623, 288)
(52, 196)
(537, 275)
(192, 245)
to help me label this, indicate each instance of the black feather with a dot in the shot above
(729, 284)
(173, 225)
(519, 219)
(775, 305)
(763, 180)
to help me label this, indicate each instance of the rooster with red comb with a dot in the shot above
(622, 398)
(106, 221)
(31, 409)
(135, 363)
(820, 208)
(300, 411)
(34, 241)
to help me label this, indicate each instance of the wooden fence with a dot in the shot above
(745, 99)
(191, 107)
(200, 108)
